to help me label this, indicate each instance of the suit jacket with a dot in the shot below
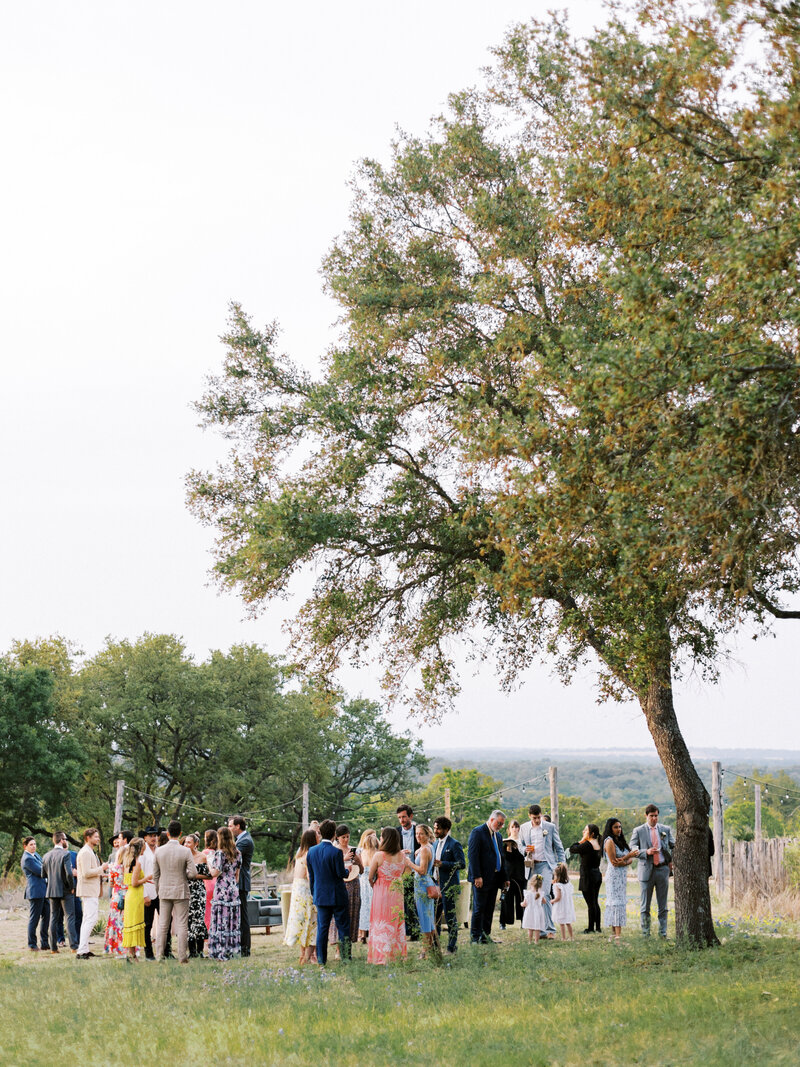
(452, 861)
(553, 849)
(173, 866)
(36, 883)
(326, 875)
(244, 843)
(89, 872)
(57, 867)
(641, 839)
(483, 858)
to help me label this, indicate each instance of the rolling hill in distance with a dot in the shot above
(617, 778)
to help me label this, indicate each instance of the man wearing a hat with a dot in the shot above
(148, 860)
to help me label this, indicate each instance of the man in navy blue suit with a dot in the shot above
(244, 842)
(35, 894)
(448, 860)
(487, 874)
(326, 878)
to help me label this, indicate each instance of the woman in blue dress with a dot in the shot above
(423, 879)
(619, 858)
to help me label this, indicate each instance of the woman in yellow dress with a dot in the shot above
(134, 879)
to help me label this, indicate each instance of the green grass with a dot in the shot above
(583, 1003)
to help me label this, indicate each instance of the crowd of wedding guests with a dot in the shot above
(397, 885)
(403, 885)
(158, 880)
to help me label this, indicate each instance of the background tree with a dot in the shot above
(473, 797)
(740, 822)
(563, 411)
(39, 764)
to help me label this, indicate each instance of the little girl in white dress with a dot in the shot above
(563, 904)
(533, 917)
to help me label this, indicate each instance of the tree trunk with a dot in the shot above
(693, 921)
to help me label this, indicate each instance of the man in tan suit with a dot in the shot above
(172, 869)
(90, 876)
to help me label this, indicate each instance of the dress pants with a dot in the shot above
(149, 914)
(410, 907)
(91, 908)
(59, 907)
(446, 909)
(169, 910)
(658, 880)
(326, 913)
(543, 868)
(39, 912)
(483, 902)
(244, 922)
(590, 895)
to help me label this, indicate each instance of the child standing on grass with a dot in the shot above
(533, 916)
(563, 904)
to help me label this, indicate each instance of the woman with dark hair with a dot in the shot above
(591, 852)
(198, 931)
(514, 862)
(387, 931)
(210, 842)
(115, 927)
(224, 936)
(619, 858)
(301, 926)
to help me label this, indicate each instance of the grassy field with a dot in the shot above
(558, 1004)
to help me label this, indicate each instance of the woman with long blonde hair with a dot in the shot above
(367, 847)
(426, 892)
(301, 926)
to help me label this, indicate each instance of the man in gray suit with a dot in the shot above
(173, 866)
(655, 842)
(57, 869)
(542, 848)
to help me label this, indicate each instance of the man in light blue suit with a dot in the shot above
(540, 843)
(655, 842)
(326, 878)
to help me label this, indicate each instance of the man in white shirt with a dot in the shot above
(542, 846)
(448, 860)
(90, 877)
(408, 836)
(148, 861)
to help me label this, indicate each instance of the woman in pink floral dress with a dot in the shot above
(387, 931)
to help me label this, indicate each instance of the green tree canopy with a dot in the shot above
(562, 415)
(39, 764)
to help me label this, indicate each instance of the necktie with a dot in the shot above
(496, 849)
(656, 844)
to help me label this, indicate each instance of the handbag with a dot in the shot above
(121, 900)
(434, 892)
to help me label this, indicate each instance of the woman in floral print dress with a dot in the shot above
(387, 931)
(116, 918)
(224, 936)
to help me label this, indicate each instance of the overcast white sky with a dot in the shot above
(161, 160)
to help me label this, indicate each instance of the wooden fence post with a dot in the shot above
(447, 802)
(719, 827)
(553, 772)
(305, 805)
(757, 799)
(118, 806)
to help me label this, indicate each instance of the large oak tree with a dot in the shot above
(562, 413)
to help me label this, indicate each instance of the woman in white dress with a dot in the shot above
(367, 847)
(301, 926)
